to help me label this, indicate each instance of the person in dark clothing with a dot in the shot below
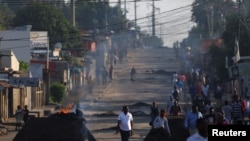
(104, 75)
(211, 116)
(132, 74)
(154, 112)
(111, 73)
(25, 114)
(175, 110)
(192, 91)
(175, 93)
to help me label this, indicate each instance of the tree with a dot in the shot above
(152, 41)
(217, 62)
(92, 15)
(6, 16)
(15, 5)
(46, 18)
(57, 92)
(209, 16)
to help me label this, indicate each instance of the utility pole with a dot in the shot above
(106, 18)
(73, 12)
(125, 7)
(153, 17)
(119, 3)
(212, 22)
(135, 15)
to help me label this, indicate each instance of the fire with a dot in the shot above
(67, 109)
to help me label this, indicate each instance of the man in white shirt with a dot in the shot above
(125, 124)
(175, 78)
(202, 131)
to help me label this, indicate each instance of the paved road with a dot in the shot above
(102, 107)
(101, 112)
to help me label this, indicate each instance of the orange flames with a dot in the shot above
(67, 109)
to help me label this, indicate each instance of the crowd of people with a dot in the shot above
(208, 107)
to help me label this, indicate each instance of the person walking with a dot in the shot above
(125, 124)
(132, 74)
(91, 84)
(227, 108)
(104, 75)
(175, 110)
(111, 73)
(18, 115)
(154, 112)
(25, 113)
(211, 116)
(220, 118)
(161, 126)
(175, 78)
(175, 93)
(170, 103)
(236, 110)
(190, 119)
(180, 85)
(202, 131)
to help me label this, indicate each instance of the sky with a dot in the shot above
(172, 17)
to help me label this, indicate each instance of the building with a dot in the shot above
(25, 43)
(21, 44)
(9, 67)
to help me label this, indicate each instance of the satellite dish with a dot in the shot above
(58, 45)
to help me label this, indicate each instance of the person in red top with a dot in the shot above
(182, 77)
(243, 105)
(198, 89)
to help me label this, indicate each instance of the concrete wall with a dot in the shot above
(18, 42)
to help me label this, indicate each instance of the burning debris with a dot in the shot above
(66, 125)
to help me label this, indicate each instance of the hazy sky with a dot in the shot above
(172, 17)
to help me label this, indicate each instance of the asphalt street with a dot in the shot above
(153, 83)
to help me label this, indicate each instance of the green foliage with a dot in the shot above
(209, 16)
(23, 66)
(217, 61)
(14, 5)
(96, 15)
(116, 19)
(57, 92)
(6, 16)
(47, 18)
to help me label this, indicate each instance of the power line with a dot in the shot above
(51, 36)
